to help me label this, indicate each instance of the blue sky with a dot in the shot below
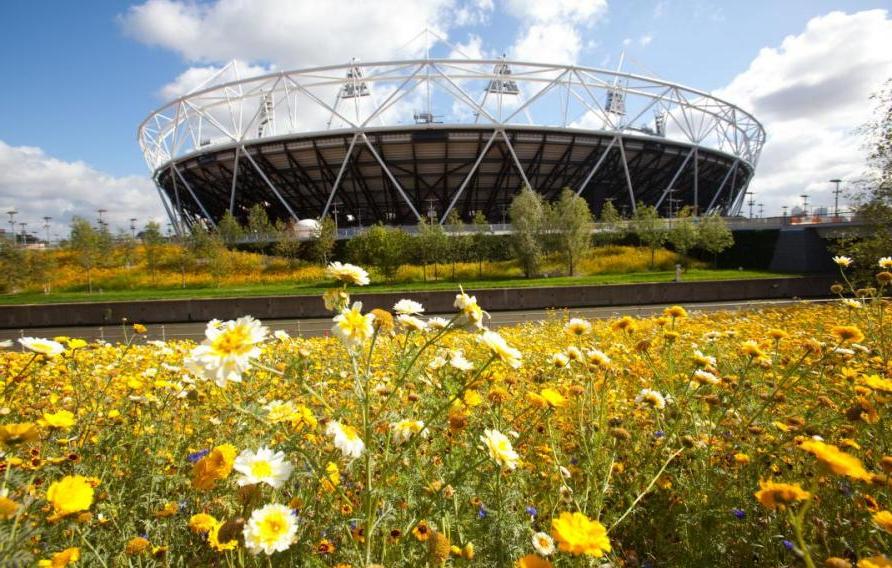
(80, 76)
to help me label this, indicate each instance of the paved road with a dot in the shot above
(318, 327)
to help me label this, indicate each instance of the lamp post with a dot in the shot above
(12, 213)
(133, 227)
(101, 211)
(22, 225)
(46, 227)
(836, 193)
(751, 202)
(804, 197)
(761, 210)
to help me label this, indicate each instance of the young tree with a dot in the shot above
(872, 198)
(683, 236)
(714, 236)
(648, 228)
(432, 244)
(259, 225)
(324, 243)
(571, 222)
(85, 243)
(480, 239)
(152, 243)
(457, 243)
(612, 225)
(11, 259)
(229, 229)
(37, 269)
(527, 213)
(380, 246)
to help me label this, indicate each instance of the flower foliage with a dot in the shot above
(719, 439)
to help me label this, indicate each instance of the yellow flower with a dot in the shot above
(8, 507)
(62, 559)
(532, 561)
(850, 333)
(875, 562)
(139, 328)
(500, 450)
(62, 419)
(230, 540)
(168, 510)
(577, 534)
(71, 494)
(675, 312)
(136, 546)
(741, 458)
(202, 523)
(553, 398)
(773, 495)
(836, 460)
(877, 383)
(352, 326)
(14, 434)
(422, 531)
(215, 466)
(348, 273)
(500, 348)
(270, 529)
(883, 519)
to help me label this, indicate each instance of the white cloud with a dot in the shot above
(288, 32)
(811, 93)
(551, 31)
(194, 77)
(645, 40)
(37, 185)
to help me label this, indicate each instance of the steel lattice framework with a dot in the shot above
(392, 141)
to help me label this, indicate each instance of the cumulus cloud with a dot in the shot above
(811, 92)
(37, 185)
(288, 32)
(552, 31)
(194, 78)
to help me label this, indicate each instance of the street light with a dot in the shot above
(46, 226)
(836, 193)
(133, 227)
(101, 211)
(751, 202)
(804, 197)
(12, 213)
(23, 225)
(761, 210)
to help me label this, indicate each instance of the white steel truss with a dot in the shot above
(276, 107)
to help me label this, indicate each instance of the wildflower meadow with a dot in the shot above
(722, 439)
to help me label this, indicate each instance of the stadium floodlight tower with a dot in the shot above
(393, 141)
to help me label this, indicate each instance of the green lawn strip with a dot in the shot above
(316, 288)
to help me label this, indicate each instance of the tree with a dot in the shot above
(457, 242)
(259, 225)
(11, 259)
(683, 236)
(432, 244)
(872, 197)
(527, 213)
(480, 240)
(229, 229)
(612, 226)
(325, 241)
(380, 246)
(571, 224)
(37, 269)
(714, 236)
(85, 242)
(152, 242)
(648, 228)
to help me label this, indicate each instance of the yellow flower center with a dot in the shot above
(261, 469)
(234, 341)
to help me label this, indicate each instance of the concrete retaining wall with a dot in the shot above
(497, 299)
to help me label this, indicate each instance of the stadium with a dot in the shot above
(396, 141)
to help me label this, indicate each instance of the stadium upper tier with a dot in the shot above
(399, 140)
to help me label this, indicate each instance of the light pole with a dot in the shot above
(23, 225)
(12, 213)
(101, 211)
(836, 193)
(133, 227)
(785, 207)
(751, 202)
(46, 226)
(761, 210)
(804, 197)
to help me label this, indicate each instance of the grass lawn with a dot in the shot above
(316, 288)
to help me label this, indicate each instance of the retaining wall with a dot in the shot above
(496, 299)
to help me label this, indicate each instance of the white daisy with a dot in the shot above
(264, 466)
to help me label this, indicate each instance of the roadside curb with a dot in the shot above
(440, 301)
